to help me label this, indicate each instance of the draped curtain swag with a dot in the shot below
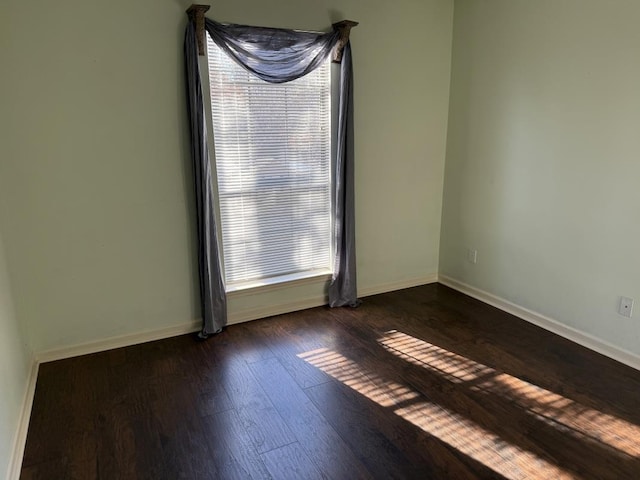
(275, 56)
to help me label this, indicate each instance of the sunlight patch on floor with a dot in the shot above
(372, 386)
(550, 407)
(504, 458)
(508, 460)
(554, 408)
(452, 366)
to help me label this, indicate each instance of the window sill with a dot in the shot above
(278, 283)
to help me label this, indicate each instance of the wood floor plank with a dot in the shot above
(291, 463)
(350, 415)
(288, 338)
(232, 452)
(261, 420)
(49, 469)
(316, 437)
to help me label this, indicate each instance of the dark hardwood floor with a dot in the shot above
(421, 383)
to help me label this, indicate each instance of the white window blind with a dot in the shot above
(273, 163)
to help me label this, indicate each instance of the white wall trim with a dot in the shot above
(20, 438)
(570, 333)
(168, 332)
(117, 342)
(234, 318)
(391, 287)
(264, 312)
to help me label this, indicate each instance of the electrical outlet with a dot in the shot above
(472, 255)
(626, 307)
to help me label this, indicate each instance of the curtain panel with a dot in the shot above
(213, 299)
(275, 56)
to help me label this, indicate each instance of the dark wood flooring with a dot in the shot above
(422, 383)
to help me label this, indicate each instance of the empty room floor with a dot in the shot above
(422, 383)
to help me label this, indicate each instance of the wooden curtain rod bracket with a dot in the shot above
(196, 13)
(343, 27)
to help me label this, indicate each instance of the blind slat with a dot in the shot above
(272, 149)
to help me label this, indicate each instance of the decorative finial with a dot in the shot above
(343, 27)
(196, 13)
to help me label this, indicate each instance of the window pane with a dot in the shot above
(273, 161)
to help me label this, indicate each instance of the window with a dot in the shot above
(273, 162)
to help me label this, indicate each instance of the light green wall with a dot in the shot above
(14, 368)
(94, 169)
(542, 171)
(15, 354)
(95, 175)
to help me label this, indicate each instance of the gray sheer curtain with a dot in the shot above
(272, 54)
(213, 298)
(343, 289)
(275, 56)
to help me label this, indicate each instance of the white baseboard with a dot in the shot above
(584, 339)
(180, 329)
(117, 342)
(234, 318)
(391, 287)
(20, 438)
(264, 312)
(570, 333)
